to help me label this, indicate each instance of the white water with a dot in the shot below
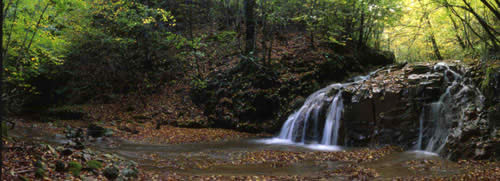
(450, 106)
(298, 124)
(302, 128)
(303, 123)
(332, 124)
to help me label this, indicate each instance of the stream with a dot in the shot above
(219, 158)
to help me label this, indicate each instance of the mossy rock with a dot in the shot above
(94, 165)
(40, 164)
(75, 168)
(130, 172)
(39, 173)
(491, 84)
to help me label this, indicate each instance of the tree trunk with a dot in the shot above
(459, 39)
(434, 43)
(250, 26)
(488, 29)
(37, 26)
(491, 8)
(4, 51)
(361, 28)
(1, 81)
(313, 5)
(466, 22)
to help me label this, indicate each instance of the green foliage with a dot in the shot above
(36, 43)
(198, 84)
(75, 168)
(127, 41)
(51, 44)
(225, 36)
(457, 31)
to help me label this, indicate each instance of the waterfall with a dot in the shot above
(304, 125)
(298, 124)
(450, 107)
(421, 130)
(332, 123)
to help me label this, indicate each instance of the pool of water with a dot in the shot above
(218, 158)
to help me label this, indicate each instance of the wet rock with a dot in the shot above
(67, 151)
(111, 173)
(130, 173)
(73, 133)
(95, 131)
(60, 166)
(418, 69)
(86, 156)
(296, 103)
(108, 133)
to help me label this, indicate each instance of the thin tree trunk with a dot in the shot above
(488, 29)
(37, 26)
(466, 22)
(1, 84)
(264, 31)
(313, 5)
(491, 8)
(459, 39)
(433, 40)
(361, 28)
(11, 30)
(250, 26)
(4, 13)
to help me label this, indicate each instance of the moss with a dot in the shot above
(487, 76)
(39, 173)
(94, 164)
(75, 168)
(4, 129)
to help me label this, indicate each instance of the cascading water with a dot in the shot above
(306, 121)
(332, 125)
(318, 122)
(460, 94)
(298, 124)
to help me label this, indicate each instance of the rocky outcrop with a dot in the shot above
(256, 98)
(387, 109)
(480, 138)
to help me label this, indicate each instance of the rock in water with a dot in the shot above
(111, 173)
(95, 131)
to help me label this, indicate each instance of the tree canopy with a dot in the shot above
(120, 46)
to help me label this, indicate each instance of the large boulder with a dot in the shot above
(385, 109)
